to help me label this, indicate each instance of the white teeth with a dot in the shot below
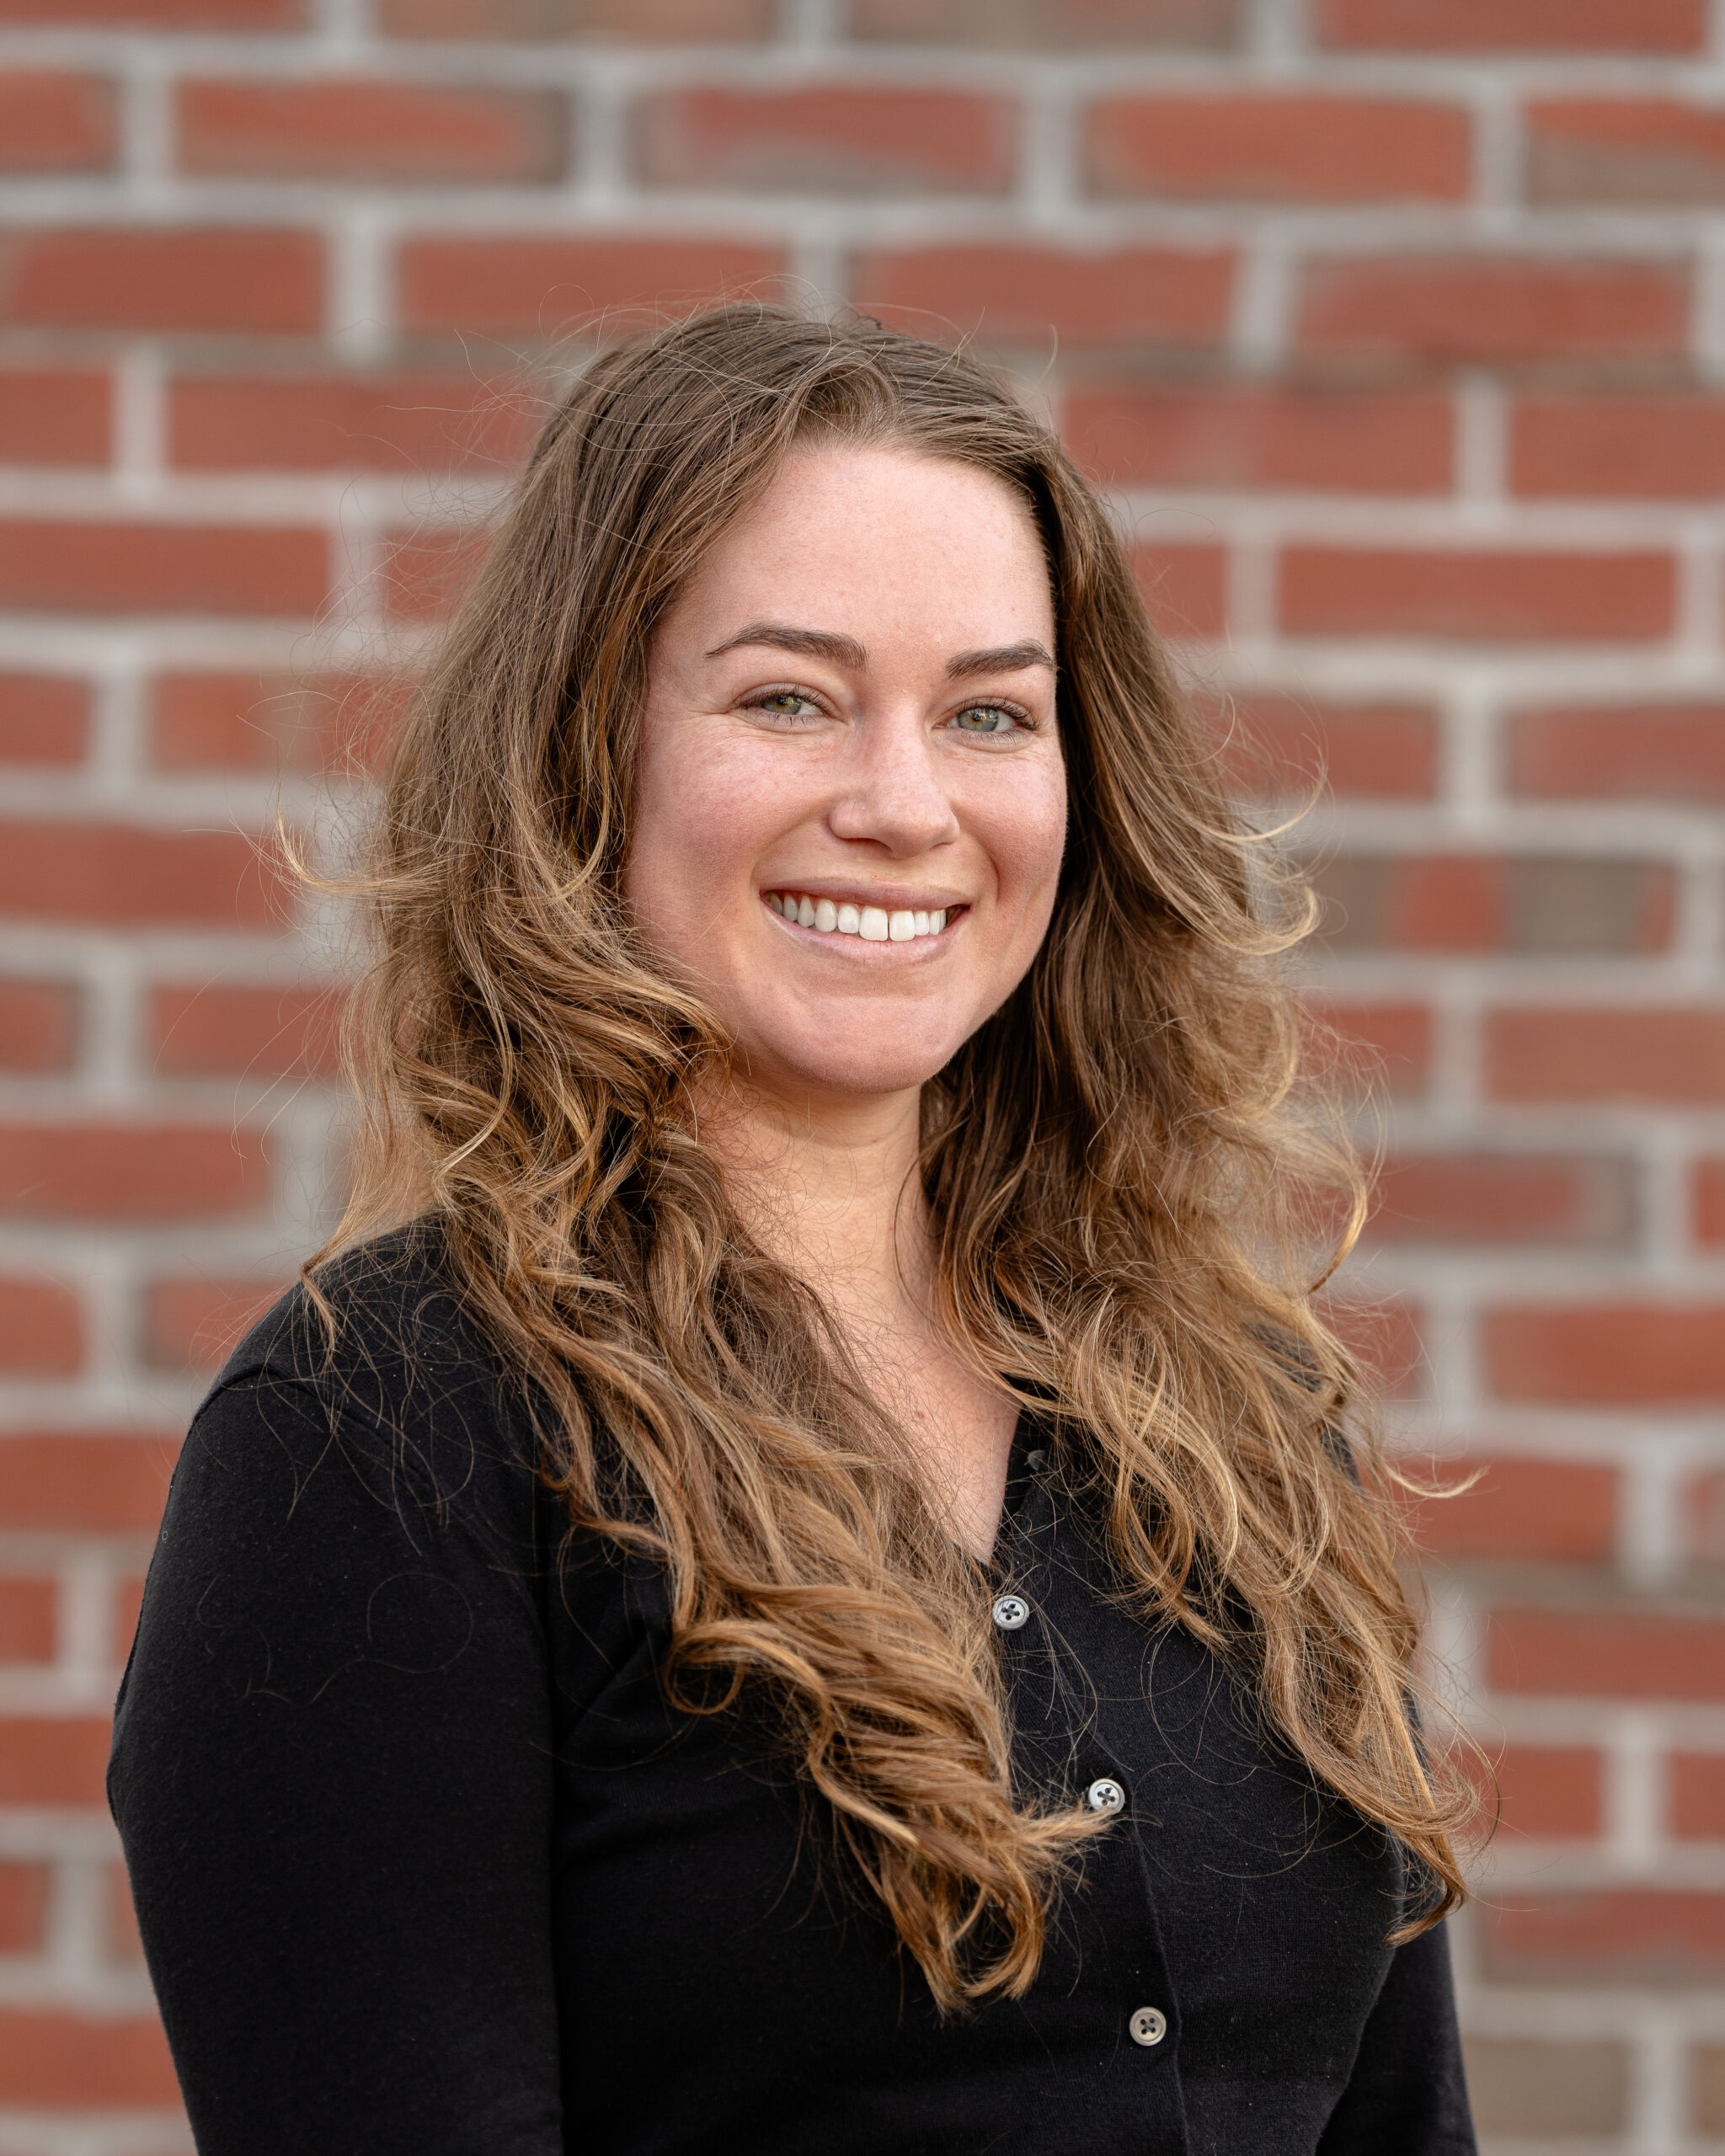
(873, 924)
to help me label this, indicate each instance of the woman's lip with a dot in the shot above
(853, 894)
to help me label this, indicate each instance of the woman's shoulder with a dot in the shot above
(385, 1304)
(380, 1374)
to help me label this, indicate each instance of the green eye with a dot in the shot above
(986, 718)
(784, 703)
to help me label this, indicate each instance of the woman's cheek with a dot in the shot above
(749, 791)
(706, 818)
(1026, 838)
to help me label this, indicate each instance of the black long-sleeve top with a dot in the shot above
(426, 1863)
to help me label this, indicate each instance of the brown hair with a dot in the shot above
(1114, 1168)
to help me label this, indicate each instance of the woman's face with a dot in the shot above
(851, 803)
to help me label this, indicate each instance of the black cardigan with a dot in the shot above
(426, 1863)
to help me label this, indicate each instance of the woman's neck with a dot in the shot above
(830, 1189)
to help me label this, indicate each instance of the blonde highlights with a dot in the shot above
(1111, 1165)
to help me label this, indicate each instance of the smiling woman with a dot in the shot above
(792, 831)
(814, 1587)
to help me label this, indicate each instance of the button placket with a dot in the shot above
(1067, 1753)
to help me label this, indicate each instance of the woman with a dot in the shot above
(814, 1597)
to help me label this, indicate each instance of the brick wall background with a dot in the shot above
(1397, 327)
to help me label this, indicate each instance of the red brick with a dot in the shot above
(1353, 440)
(1285, 745)
(1707, 2063)
(1384, 1335)
(1388, 1044)
(1608, 1355)
(1279, 148)
(704, 22)
(1501, 308)
(128, 1607)
(1479, 902)
(540, 286)
(1626, 1935)
(1553, 1792)
(51, 1759)
(831, 138)
(209, 278)
(220, 1031)
(1061, 23)
(52, 2059)
(328, 129)
(160, 14)
(424, 574)
(1620, 752)
(126, 1171)
(1674, 1057)
(54, 122)
(1030, 294)
(248, 721)
(23, 1907)
(1703, 1515)
(1503, 1197)
(79, 1482)
(27, 1619)
(43, 719)
(1698, 1796)
(362, 423)
(1637, 151)
(1607, 1654)
(1481, 595)
(1709, 1203)
(1619, 447)
(113, 872)
(41, 1330)
(53, 417)
(234, 722)
(1561, 1511)
(1185, 588)
(121, 1942)
(196, 1325)
(1513, 25)
(38, 1025)
(184, 569)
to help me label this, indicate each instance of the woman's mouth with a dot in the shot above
(872, 924)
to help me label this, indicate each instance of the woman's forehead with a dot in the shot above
(846, 539)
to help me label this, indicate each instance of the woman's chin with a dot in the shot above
(845, 1065)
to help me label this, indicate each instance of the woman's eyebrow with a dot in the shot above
(1007, 659)
(811, 643)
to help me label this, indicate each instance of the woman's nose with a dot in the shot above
(892, 793)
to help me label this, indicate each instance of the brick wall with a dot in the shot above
(1397, 327)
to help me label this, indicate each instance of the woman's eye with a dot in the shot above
(985, 718)
(784, 703)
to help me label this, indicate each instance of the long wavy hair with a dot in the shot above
(1121, 1185)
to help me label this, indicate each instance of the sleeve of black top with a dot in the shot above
(331, 1776)
(1408, 2091)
